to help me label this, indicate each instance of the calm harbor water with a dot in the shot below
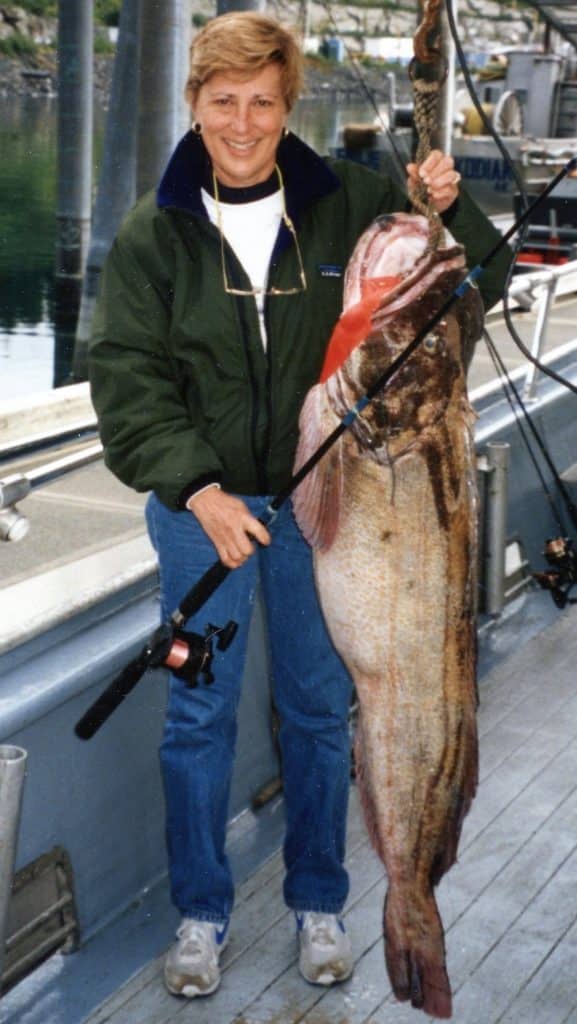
(35, 352)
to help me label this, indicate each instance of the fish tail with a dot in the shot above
(415, 953)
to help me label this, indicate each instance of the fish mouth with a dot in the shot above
(395, 249)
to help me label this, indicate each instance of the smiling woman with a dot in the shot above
(217, 302)
(241, 124)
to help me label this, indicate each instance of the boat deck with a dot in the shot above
(508, 906)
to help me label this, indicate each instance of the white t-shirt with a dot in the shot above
(251, 230)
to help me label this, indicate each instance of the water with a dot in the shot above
(35, 352)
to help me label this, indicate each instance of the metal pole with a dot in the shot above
(225, 6)
(75, 54)
(392, 98)
(447, 99)
(539, 336)
(162, 81)
(12, 770)
(306, 20)
(498, 465)
(117, 185)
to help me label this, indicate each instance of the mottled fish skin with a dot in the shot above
(391, 512)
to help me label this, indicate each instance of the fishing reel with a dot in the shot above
(561, 555)
(189, 655)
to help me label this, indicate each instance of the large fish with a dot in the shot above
(392, 516)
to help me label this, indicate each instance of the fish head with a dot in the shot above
(410, 283)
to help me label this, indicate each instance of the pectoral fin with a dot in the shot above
(316, 501)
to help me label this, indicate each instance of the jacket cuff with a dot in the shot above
(450, 213)
(194, 486)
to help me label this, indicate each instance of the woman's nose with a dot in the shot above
(241, 118)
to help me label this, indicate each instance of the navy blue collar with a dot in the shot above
(306, 175)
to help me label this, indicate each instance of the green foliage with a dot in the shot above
(18, 45)
(103, 45)
(107, 12)
(43, 8)
(199, 20)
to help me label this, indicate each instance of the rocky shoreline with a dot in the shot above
(484, 23)
(38, 78)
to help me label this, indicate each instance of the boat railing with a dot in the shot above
(13, 524)
(536, 291)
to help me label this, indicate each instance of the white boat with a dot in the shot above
(532, 107)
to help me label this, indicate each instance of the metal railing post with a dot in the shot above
(12, 770)
(162, 106)
(498, 465)
(117, 185)
(75, 58)
(539, 336)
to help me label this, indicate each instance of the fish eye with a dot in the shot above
(430, 344)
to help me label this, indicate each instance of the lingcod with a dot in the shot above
(391, 513)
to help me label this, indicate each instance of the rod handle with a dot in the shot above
(112, 696)
(202, 590)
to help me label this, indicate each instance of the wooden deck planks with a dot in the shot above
(508, 906)
(551, 988)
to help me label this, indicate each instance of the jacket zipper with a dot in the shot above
(268, 382)
(261, 475)
(233, 265)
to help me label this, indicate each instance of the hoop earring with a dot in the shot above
(197, 127)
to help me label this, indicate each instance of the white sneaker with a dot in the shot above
(191, 966)
(325, 948)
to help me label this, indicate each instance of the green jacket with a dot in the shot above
(184, 392)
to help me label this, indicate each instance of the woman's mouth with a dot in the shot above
(240, 147)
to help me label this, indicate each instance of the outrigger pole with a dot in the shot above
(189, 655)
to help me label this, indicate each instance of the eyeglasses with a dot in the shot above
(290, 227)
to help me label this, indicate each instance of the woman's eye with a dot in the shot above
(264, 103)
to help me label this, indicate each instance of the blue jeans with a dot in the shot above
(312, 692)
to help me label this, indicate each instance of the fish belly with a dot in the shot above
(397, 590)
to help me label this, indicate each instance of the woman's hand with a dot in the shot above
(229, 524)
(439, 175)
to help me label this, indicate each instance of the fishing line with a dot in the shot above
(161, 644)
(478, 106)
(519, 242)
(401, 162)
(510, 391)
(524, 226)
(522, 233)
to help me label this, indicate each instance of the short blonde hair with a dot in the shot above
(242, 43)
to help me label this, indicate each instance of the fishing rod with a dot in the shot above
(518, 245)
(560, 554)
(189, 655)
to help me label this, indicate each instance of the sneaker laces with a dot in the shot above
(321, 928)
(195, 939)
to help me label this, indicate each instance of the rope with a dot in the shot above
(424, 52)
(426, 103)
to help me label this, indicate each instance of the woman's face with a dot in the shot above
(242, 122)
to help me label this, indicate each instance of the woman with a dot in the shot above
(217, 302)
